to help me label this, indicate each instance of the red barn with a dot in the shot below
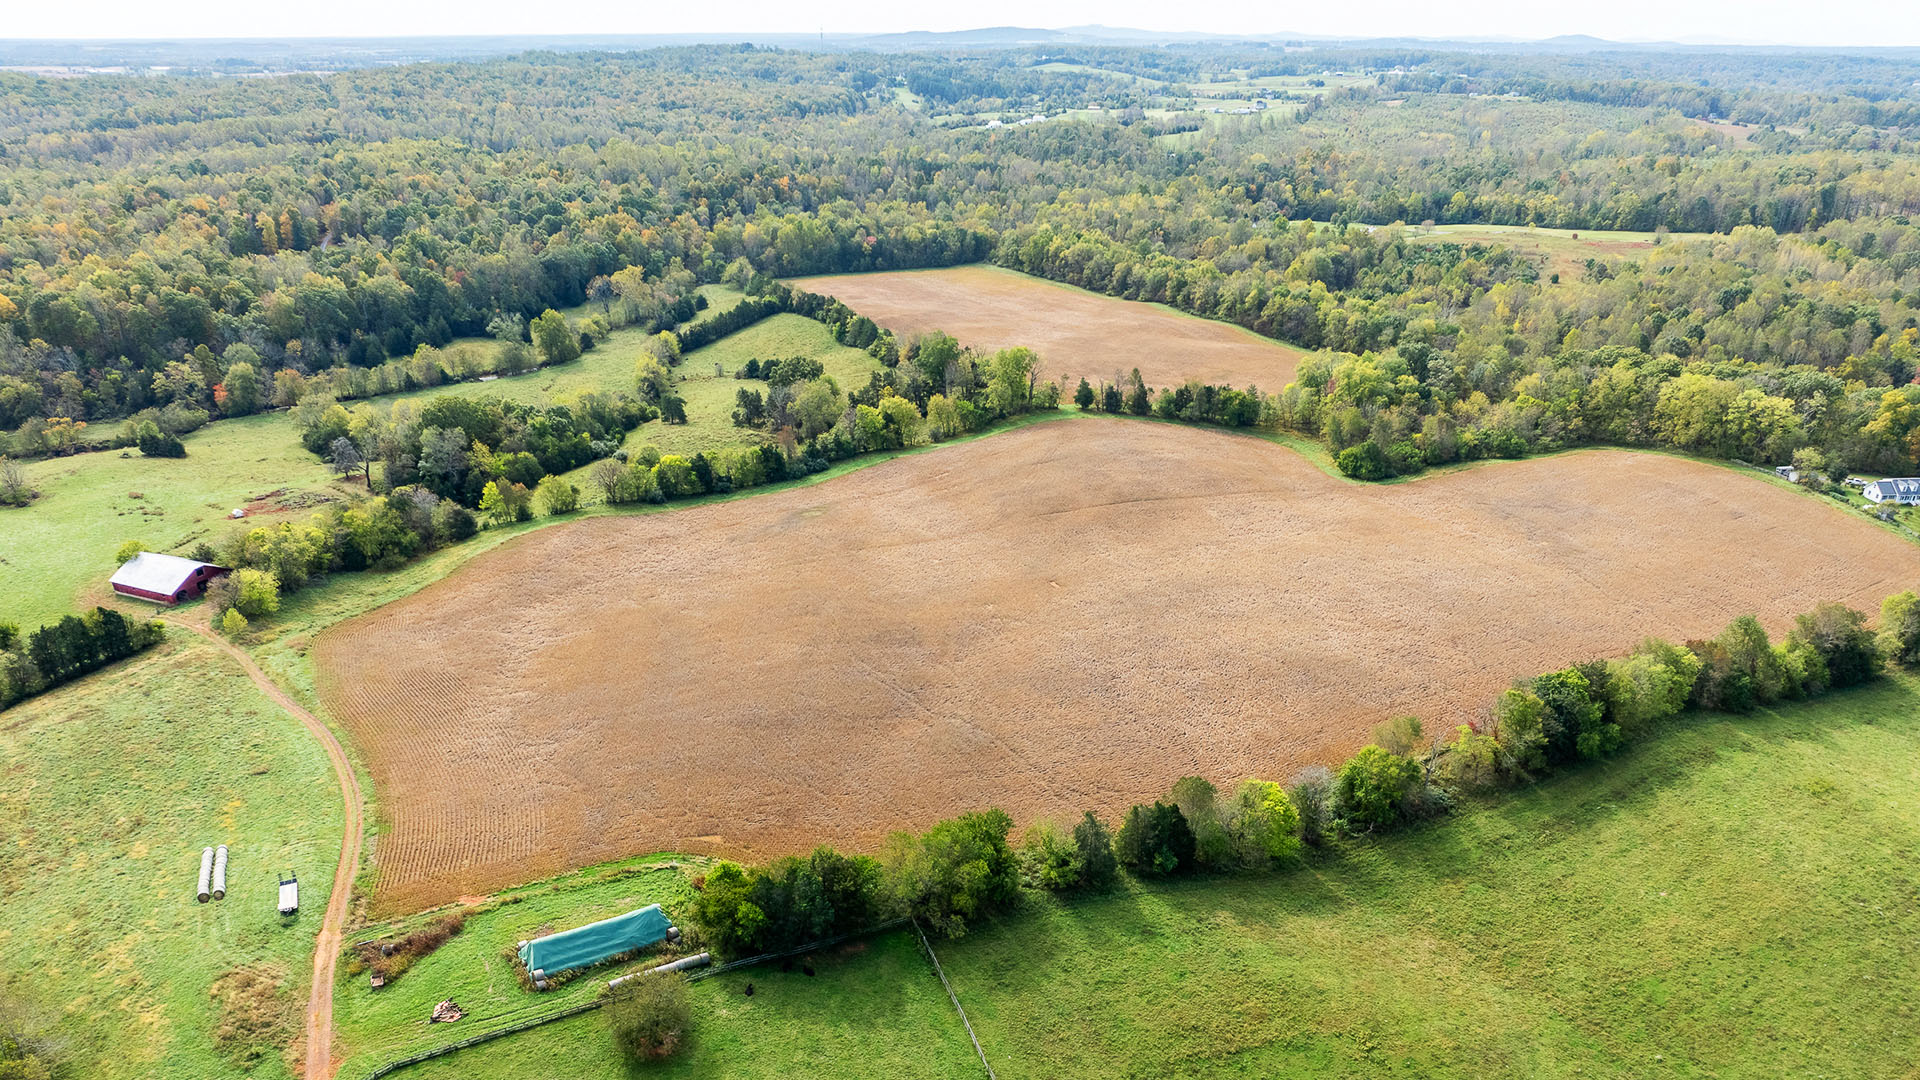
(165, 579)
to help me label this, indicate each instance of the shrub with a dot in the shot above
(1650, 685)
(1312, 795)
(1401, 735)
(14, 489)
(1572, 722)
(958, 871)
(1049, 859)
(1196, 798)
(23, 1056)
(1263, 824)
(726, 912)
(1364, 462)
(1472, 760)
(559, 496)
(1099, 868)
(414, 947)
(648, 1015)
(256, 592)
(1838, 636)
(233, 624)
(154, 442)
(1900, 628)
(1520, 728)
(1376, 786)
(1155, 840)
(128, 550)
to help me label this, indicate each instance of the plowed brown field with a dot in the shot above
(1067, 616)
(1078, 334)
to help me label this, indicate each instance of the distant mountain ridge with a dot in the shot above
(245, 55)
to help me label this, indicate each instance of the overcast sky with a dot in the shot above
(1827, 22)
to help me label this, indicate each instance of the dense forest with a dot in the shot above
(178, 249)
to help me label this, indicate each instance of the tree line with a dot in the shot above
(35, 662)
(967, 869)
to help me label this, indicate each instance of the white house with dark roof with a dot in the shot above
(1901, 491)
(164, 579)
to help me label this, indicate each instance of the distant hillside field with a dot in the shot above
(1071, 615)
(1078, 334)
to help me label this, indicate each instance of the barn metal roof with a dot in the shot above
(153, 572)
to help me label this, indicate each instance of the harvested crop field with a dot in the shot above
(1067, 616)
(1078, 334)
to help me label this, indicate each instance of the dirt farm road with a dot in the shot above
(327, 946)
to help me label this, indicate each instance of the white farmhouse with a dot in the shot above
(1904, 491)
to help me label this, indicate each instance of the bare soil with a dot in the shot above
(1078, 334)
(1067, 616)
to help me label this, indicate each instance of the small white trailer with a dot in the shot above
(289, 895)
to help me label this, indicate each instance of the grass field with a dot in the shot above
(113, 786)
(57, 553)
(609, 368)
(375, 1026)
(710, 398)
(1735, 897)
(1561, 251)
(1658, 915)
(872, 1009)
(1117, 604)
(893, 1019)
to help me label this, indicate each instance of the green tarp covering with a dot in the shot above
(594, 942)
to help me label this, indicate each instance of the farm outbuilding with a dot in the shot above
(164, 579)
(584, 946)
(1901, 491)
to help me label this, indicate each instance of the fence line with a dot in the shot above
(596, 1002)
(955, 998)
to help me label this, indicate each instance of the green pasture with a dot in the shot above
(1734, 897)
(609, 369)
(1563, 251)
(1737, 897)
(871, 1009)
(57, 553)
(474, 970)
(113, 785)
(710, 397)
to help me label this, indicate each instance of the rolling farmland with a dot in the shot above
(1061, 617)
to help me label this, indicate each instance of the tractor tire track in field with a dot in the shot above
(333, 923)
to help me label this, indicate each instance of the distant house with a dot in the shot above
(1904, 491)
(164, 579)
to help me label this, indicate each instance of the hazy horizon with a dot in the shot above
(1844, 24)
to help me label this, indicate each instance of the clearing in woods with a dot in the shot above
(1062, 617)
(1559, 251)
(1078, 334)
